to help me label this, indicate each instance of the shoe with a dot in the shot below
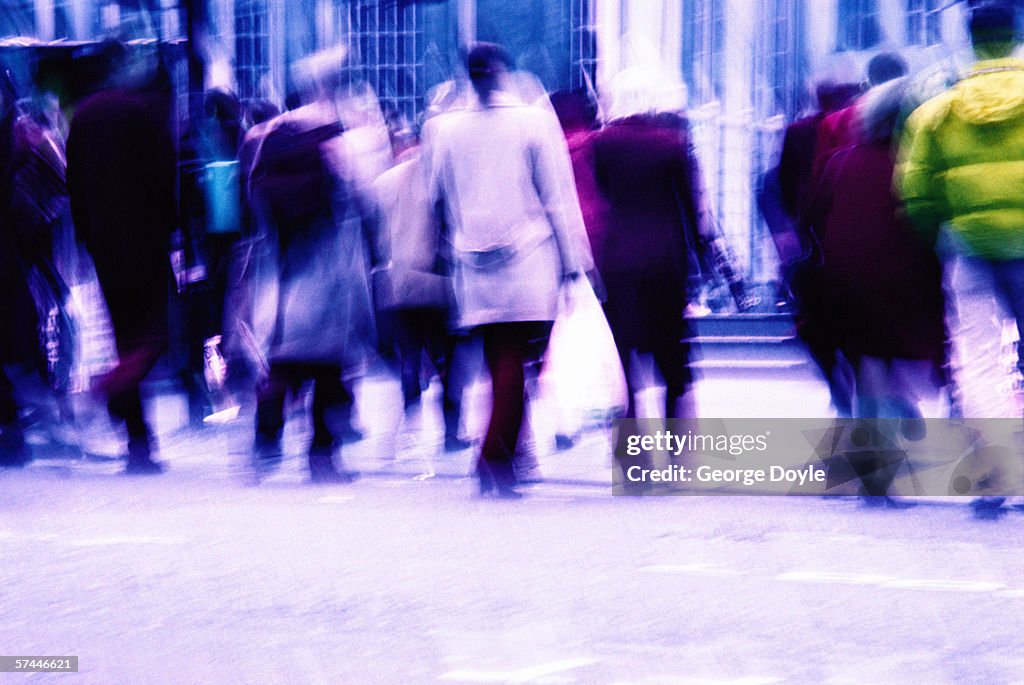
(509, 492)
(899, 503)
(453, 443)
(490, 487)
(989, 508)
(266, 456)
(333, 477)
(525, 466)
(351, 434)
(143, 466)
(529, 476)
(14, 457)
(486, 482)
(323, 472)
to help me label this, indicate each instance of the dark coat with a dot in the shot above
(796, 161)
(647, 172)
(32, 196)
(881, 285)
(121, 182)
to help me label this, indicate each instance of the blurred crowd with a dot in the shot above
(296, 248)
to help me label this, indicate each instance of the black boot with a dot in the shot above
(322, 470)
(140, 460)
(498, 480)
(14, 453)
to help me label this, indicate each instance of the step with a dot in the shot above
(770, 326)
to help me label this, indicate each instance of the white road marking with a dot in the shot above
(534, 672)
(943, 585)
(893, 583)
(525, 675)
(468, 676)
(748, 680)
(691, 569)
(751, 680)
(335, 499)
(834, 577)
(127, 540)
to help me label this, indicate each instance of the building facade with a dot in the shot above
(748, 66)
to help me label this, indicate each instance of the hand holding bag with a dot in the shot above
(583, 376)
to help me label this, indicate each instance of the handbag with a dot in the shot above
(582, 377)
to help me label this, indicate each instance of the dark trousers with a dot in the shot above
(329, 397)
(12, 441)
(124, 396)
(672, 359)
(425, 331)
(508, 349)
(137, 302)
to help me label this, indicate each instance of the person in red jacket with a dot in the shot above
(881, 283)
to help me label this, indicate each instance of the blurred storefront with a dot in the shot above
(747, 66)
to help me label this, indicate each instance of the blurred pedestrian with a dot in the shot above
(657, 220)
(784, 198)
(577, 114)
(502, 169)
(19, 343)
(420, 298)
(881, 284)
(121, 182)
(962, 166)
(842, 128)
(313, 228)
(212, 222)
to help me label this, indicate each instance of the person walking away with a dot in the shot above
(962, 167)
(312, 224)
(420, 297)
(503, 172)
(121, 183)
(881, 284)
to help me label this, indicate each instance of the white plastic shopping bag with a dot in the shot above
(582, 379)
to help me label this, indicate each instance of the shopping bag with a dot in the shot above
(582, 379)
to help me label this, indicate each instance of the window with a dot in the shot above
(583, 48)
(858, 27)
(923, 25)
(703, 47)
(252, 49)
(386, 49)
(18, 18)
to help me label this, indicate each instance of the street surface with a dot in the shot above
(197, 576)
(194, 578)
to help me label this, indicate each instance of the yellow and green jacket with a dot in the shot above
(962, 161)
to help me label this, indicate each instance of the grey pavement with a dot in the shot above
(197, 578)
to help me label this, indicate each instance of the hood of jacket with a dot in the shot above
(880, 109)
(992, 93)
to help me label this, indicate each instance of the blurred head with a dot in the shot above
(223, 105)
(885, 66)
(644, 91)
(262, 110)
(93, 66)
(880, 110)
(834, 96)
(320, 74)
(8, 92)
(486, 63)
(993, 29)
(402, 134)
(575, 109)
